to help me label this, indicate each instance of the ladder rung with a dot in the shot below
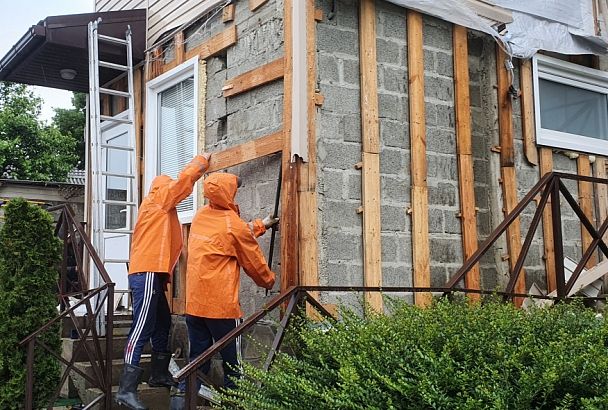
(114, 92)
(115, 174)
(114, 40)
(115, 119)
(116, 260)
(113, 66)
(123, 203)
(118, 231)
(117, 147)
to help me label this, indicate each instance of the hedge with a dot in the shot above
(29, 252)
(453, 355)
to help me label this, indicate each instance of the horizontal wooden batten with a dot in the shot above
(215, 44)
(247, 151)
(255, 78)
(228, 13)
(256, 4)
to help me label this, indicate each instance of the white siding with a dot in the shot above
(114, 5)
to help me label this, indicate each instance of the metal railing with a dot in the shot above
(93, 300)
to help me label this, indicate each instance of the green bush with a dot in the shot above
(452, 355)
(29, 252)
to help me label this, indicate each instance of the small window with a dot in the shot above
(571, 104)
(171, 139)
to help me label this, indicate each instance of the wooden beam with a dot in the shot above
(215, 44)
(507, 164)
(289, 191)
(256, 4)
(247, 151)
(585, 195)
(180, 48)
(546, 165)
(602, 199)
(311, 62)
(420, 216)
(466, 180)
(527, 111)
(178, 303)
(255, 78)
(228, 13)
(372, 244)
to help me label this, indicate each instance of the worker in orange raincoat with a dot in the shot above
(220, 243)
(155, 250)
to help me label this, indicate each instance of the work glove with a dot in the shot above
(270, 221)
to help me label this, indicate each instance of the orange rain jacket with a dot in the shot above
(157, 238)
(220, 242)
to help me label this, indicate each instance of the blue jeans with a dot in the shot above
(202, 333)
(151, 315)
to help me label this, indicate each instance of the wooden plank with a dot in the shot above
(527, 111)
(180, 48)
(256, 4)
(420, 216)
(246, 151)
(228, 13)
(546, 165)
(507, 163)
(369, 77)
(311, 61)
(505, 107)
(179, 301)
(601, 192)
(585, 198)
(289, 190)
(309, 263)
(255, 78)
(372, 244)
(466, 180)
(215, 44)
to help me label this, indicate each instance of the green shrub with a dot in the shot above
(28, 286)
(450, 356)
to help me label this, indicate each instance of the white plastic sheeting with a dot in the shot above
(562, 26)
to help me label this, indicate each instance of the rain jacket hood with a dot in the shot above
(220, 188)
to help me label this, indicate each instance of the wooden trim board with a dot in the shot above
(255, 78)
(256, 4)
(546, 165)
(247, 151)
(527, 112)
(215, 44)
(585, 195)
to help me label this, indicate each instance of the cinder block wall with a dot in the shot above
(245, 117)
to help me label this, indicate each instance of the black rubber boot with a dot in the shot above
(127, 388)
(160, 375)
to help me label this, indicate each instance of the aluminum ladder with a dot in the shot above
(101, 150)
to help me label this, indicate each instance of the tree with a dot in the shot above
(71, 121)
(29, 149)
(29, 252)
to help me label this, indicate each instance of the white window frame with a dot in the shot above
(153, 89)
(573, 75)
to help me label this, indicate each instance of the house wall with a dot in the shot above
(49, 195)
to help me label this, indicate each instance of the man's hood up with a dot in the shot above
(220, 188)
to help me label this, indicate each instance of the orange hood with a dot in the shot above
(220, 188)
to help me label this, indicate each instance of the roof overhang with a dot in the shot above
(61, 42)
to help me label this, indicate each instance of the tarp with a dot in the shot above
(561, 26)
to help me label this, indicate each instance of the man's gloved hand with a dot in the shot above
(269, 221)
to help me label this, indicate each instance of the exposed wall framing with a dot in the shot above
(464, 152)
(507, 167)
(527, 112)
(372, 252)
(420, 200)
(255, 78)
(585, 198)
(247, 151)
(546, 166)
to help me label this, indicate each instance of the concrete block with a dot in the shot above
(392, 21)
(475, 95)
(387, 51)
(332, 39)
(437, 33)
(393, 79)
(393, 161)
(404, 241)
(350, 71)
(484, 226)
(389, 247)
(446, 250)
(452, 223)
(443, 194)
(395, 189)
(267, 92)
(394, 134)
(396, 276)
(430, 111)
(347, 13)
(435, 221)
(489, 277)
(445, 116)
(329, 126)
(338, 155)
(439, 88)
(215, 108)
(481, 171)
(393, 107)
(394, 218)
(344, 246)
(439, 276)
(341, 274)
(351, 124)
(327, 67)
(341, 99)
(443, 167)
(333, 184)
(475, 44)
(440, 140)
(482, 197)
(265, 196)
(430, 65)
(341, 214)
(354, 186)
(445, 64)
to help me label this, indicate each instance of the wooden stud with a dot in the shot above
(602, 199)
(509, 179)
(246, 151)
(289, 191)
(309, 263)
(179, 301)
(215, 44)
(256, 4)
(180, 48)
(546, 165)
(311, 62)
(228, 13)
(527, 112)
(466, 180)
(585, 194)
(420, 217)
(372, 244)
(255, 78)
